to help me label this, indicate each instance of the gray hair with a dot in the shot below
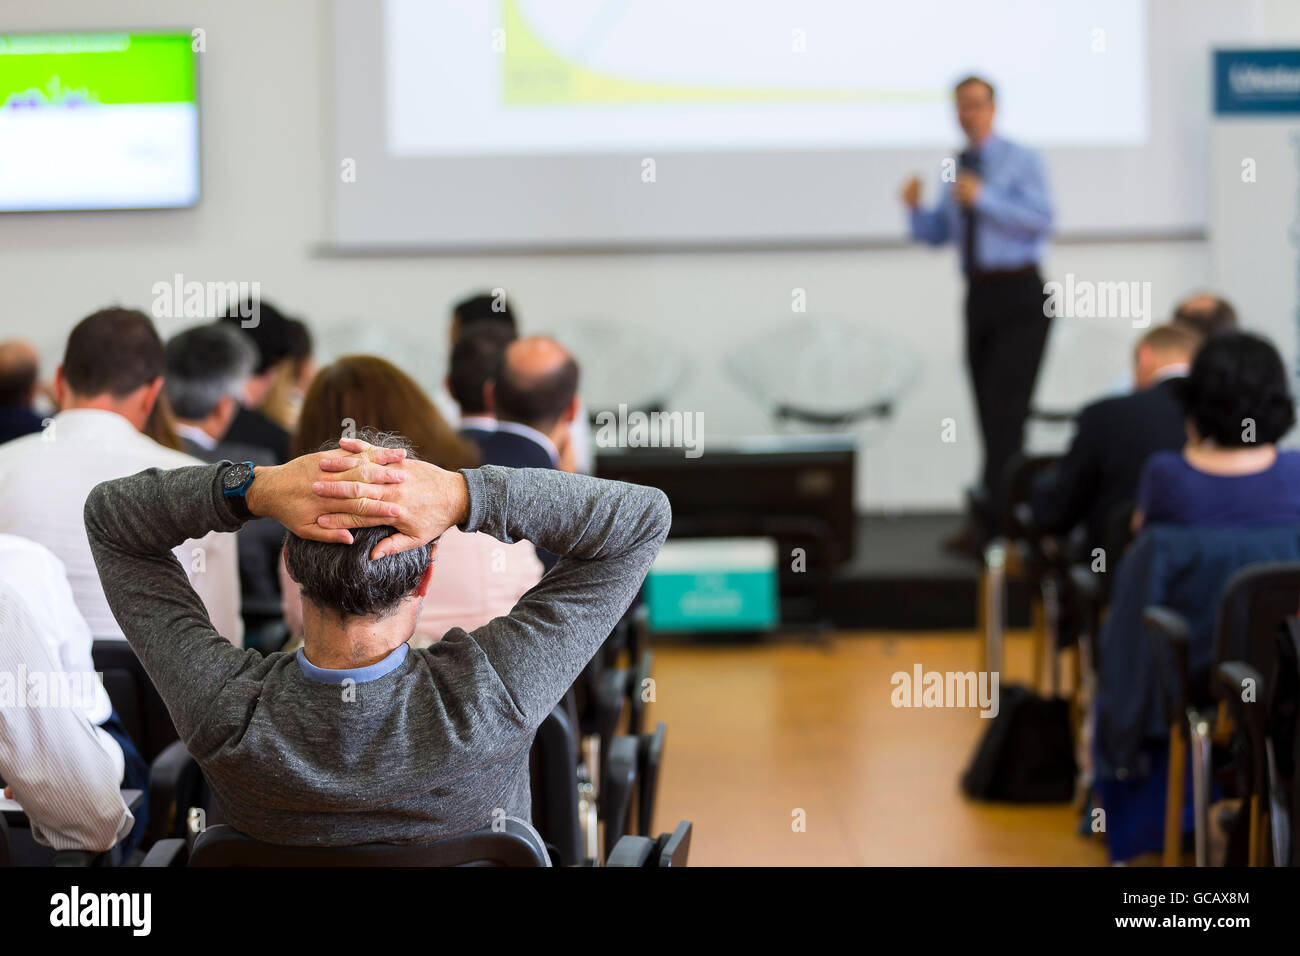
(205, 364)
(342, 577)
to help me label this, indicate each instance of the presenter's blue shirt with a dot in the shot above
(1013, 212)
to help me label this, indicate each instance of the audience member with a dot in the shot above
(493, 310)
(1113, 440)
(476, 311)
(284, 400)
(110, 379)
(475, 577)
(1230, 473)
(534, 399)
(1206, 313)
(276, 340)
(357, 737)
(64, 760)
(208, 368)
(474, 361)
(19, 370)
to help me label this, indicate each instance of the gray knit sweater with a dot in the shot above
(430, 749)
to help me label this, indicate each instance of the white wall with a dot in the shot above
(265, 110)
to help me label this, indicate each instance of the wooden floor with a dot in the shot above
(757, 732)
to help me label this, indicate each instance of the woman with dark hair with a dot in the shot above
(1230, 473)
(475, 577)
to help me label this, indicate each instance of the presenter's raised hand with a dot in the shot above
(968, 188)
(911, 193)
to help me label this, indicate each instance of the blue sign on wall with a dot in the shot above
(1256, 81)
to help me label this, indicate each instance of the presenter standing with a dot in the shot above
(997, 209)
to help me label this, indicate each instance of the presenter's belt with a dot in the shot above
(980, 276)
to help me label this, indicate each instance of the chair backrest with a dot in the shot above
(515, 845)
(136, 700)
(553, 771)
(1186, 569)
(1255, 602)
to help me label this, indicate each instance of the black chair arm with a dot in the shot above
(631, 851)
(674, 849)
(650, 756)
(618, 786)
(173, 779)
(172, 851)
(1169, 632)
(79, 858)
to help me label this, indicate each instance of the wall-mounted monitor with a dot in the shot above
(98, 121)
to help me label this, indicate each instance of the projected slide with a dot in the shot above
(97, 121)
(599, 76)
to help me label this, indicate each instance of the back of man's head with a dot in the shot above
(1207, 314)
(204, 365)
(342, 579)
(535, 383)
(273, 332)
(1162, 347)
(482, 309)
(474, 361)
(112, 353)
(19, 367)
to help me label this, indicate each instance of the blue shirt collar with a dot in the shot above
(358, 675)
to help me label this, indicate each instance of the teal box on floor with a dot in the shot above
(714, 584)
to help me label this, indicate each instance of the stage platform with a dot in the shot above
(901, 579)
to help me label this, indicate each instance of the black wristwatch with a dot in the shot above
(234, 485)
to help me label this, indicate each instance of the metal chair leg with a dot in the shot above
(1199, 736)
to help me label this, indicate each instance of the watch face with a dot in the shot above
(235, 476)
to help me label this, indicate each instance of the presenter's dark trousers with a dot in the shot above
(1006, 332)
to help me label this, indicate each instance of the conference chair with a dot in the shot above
(1240, 681)
(1022, 554)
(516, 844)
(564, 796)
(175, 781)
(1166, 607)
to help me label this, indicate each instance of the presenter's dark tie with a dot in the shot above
(970, 161)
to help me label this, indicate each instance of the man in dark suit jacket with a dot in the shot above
(1113, 439)
(276, 338)
(534, 396)
(474, 361)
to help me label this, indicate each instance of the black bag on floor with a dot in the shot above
(1027, 753)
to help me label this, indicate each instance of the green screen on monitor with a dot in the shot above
(98, 121)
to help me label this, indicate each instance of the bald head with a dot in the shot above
(19, 365)
(535, 383)
(1206, 313)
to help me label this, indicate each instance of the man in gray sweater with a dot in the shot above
(357, 738)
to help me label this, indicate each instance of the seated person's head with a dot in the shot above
(1207, 314)
(207, 369)
(276, 339)
(484, 308)
(19, 368)
(474, 361)
(1164, 350)
(113, 362)
(364, 391)
(343, 588)
(536, 385)
(1236, 395)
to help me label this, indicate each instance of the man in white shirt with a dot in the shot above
(56, 757)
(108, 383)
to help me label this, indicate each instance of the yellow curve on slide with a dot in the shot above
(535, 75)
